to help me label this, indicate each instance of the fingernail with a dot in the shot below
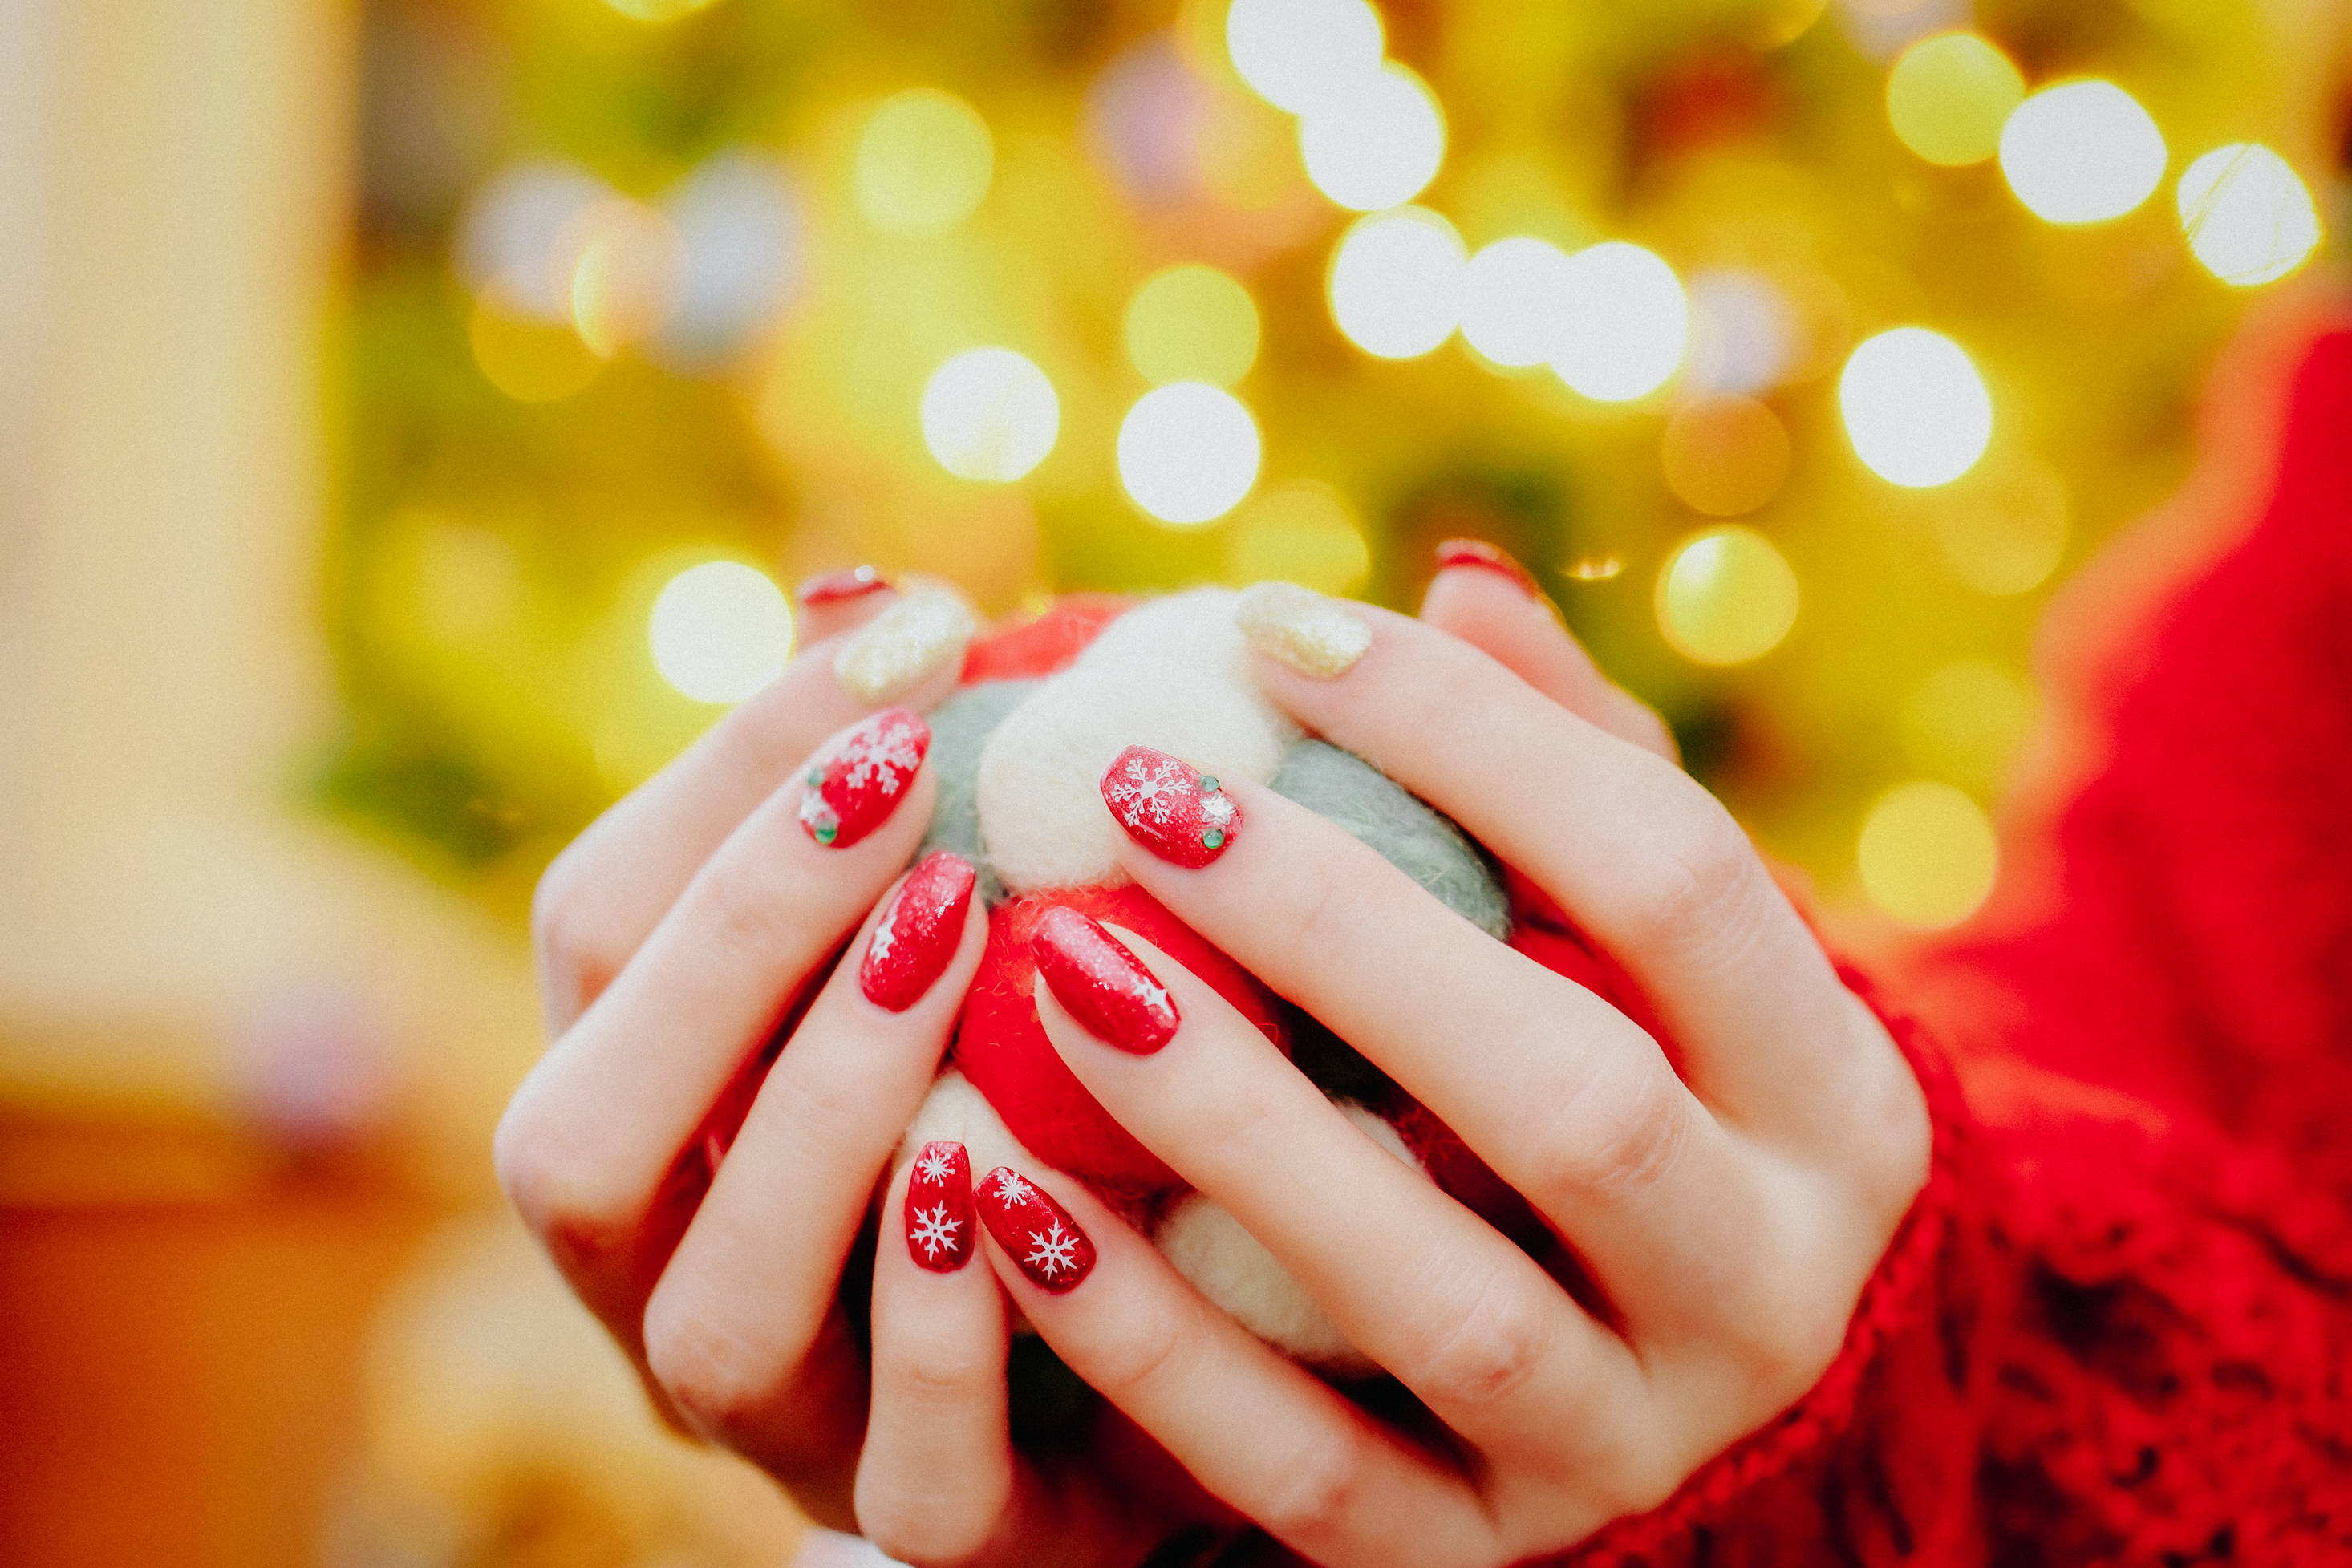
(918, 636)
(854, 786)
(1479, 553)
(1035, 1232)
(918, 932)
(1101, 984)
(1312, 635)
(939, 1207)
(1170, 807)
(834, 586)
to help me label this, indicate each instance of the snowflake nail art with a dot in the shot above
(1034, 1231)
(916, 934)
(939, 1215)
(1170, 808)
(854, 785)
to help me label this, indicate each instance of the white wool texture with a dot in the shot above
(1225, 1263)
(1173, 674)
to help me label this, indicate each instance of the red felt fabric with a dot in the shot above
(2115, 1327)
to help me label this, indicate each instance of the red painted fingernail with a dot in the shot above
(1104, 987)
(1479, 553)
(836, 587)
(939, 1207)
(918, 932)
(1170, 807)
(854, 785)
(1037, 1233)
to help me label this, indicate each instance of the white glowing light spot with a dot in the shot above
(1298, 54)
(1625, 322)
(1515, 297)
(1916, 410)
(1187, 452)
(1395, 282)
(1378, 144)
(2247, 214)
(721, 630)
(989, 414)
(2082, 153)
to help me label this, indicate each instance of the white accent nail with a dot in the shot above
(916, 637)
(1312, 635)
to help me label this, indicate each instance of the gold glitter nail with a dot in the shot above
(916, 636)
(1314, 636)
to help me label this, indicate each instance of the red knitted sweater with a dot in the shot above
(2113, 1329)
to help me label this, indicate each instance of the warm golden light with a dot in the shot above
(1927, 855)
(1191, 323)
(1395, 282)
(924, 162)
(1914, 408)
(1515, 300)
(531, 361)
(1624, 325)
(1725, 456)
(2082, 153)
(1967, 720)
(1948, 96)
(1300, 54)
(657, 10)
(2004, 532)
(626, 277)
(989, 414)
(1375, 145)
(1187, 452)
(721, 630)
(1301, 533)
(2247, 214)
(1726, 596)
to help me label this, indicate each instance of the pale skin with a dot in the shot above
(1731, 1213)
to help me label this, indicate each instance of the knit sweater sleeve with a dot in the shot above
(2101, 1336)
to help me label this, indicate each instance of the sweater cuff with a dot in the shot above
(1867, 1463)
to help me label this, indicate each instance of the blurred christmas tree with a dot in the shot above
(1799, 352)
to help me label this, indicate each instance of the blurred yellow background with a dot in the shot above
(414, 414)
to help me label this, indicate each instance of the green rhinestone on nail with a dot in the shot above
(1214, 839)
(1208, 783)
(815, 776)
(827, 835)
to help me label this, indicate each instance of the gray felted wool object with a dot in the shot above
(1410, 834)
(960, 727)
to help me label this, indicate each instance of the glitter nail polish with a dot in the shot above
(852, 786)
(1037, 1233)
(1102, 984)
(938, 1211)
(917, 636)
(1170, 807)
(1312, 635)
(916, 935)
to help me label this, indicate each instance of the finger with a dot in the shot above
(589, 1145)
(1258, 1431)
(935, 1478)
(1456, 1312)
(607, 891)
(1571, 1104)
(1498, 609)
(1647, 863)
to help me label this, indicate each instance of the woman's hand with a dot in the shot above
(1730, 1213)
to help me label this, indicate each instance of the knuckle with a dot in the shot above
(1312, 1496)
(1702, 878)
(572, 930)
(1151, 1349)
(718, 1381)
(1619, 1134)
(563, 1197)
(746, 916)
(947, 1373)
(1491, 1350)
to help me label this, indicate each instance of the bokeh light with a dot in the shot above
(2082, 153)
(1515, 300)
(1377, 145)
(1395, 282)
(1914, 408)
(1300, 54)
(1927, 855)
(657, 10)
(1726, 596)
(530, 359)
(1967, 720)
(924, 162)
(2247, 216)
(721, 630)
(508, 237)
(1187, 452)
(1191, 323)
(1744, 331)
(1624, 325)
(1948, 96)
(1725, 456)
(1301, 532)
(741, 228)
(626, 279)
(2004, 532)
(989, 414)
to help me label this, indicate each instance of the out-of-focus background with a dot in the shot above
(413, 412)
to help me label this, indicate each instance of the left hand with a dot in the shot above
(1731, 1212)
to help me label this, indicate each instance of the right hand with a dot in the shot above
(675, 939)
